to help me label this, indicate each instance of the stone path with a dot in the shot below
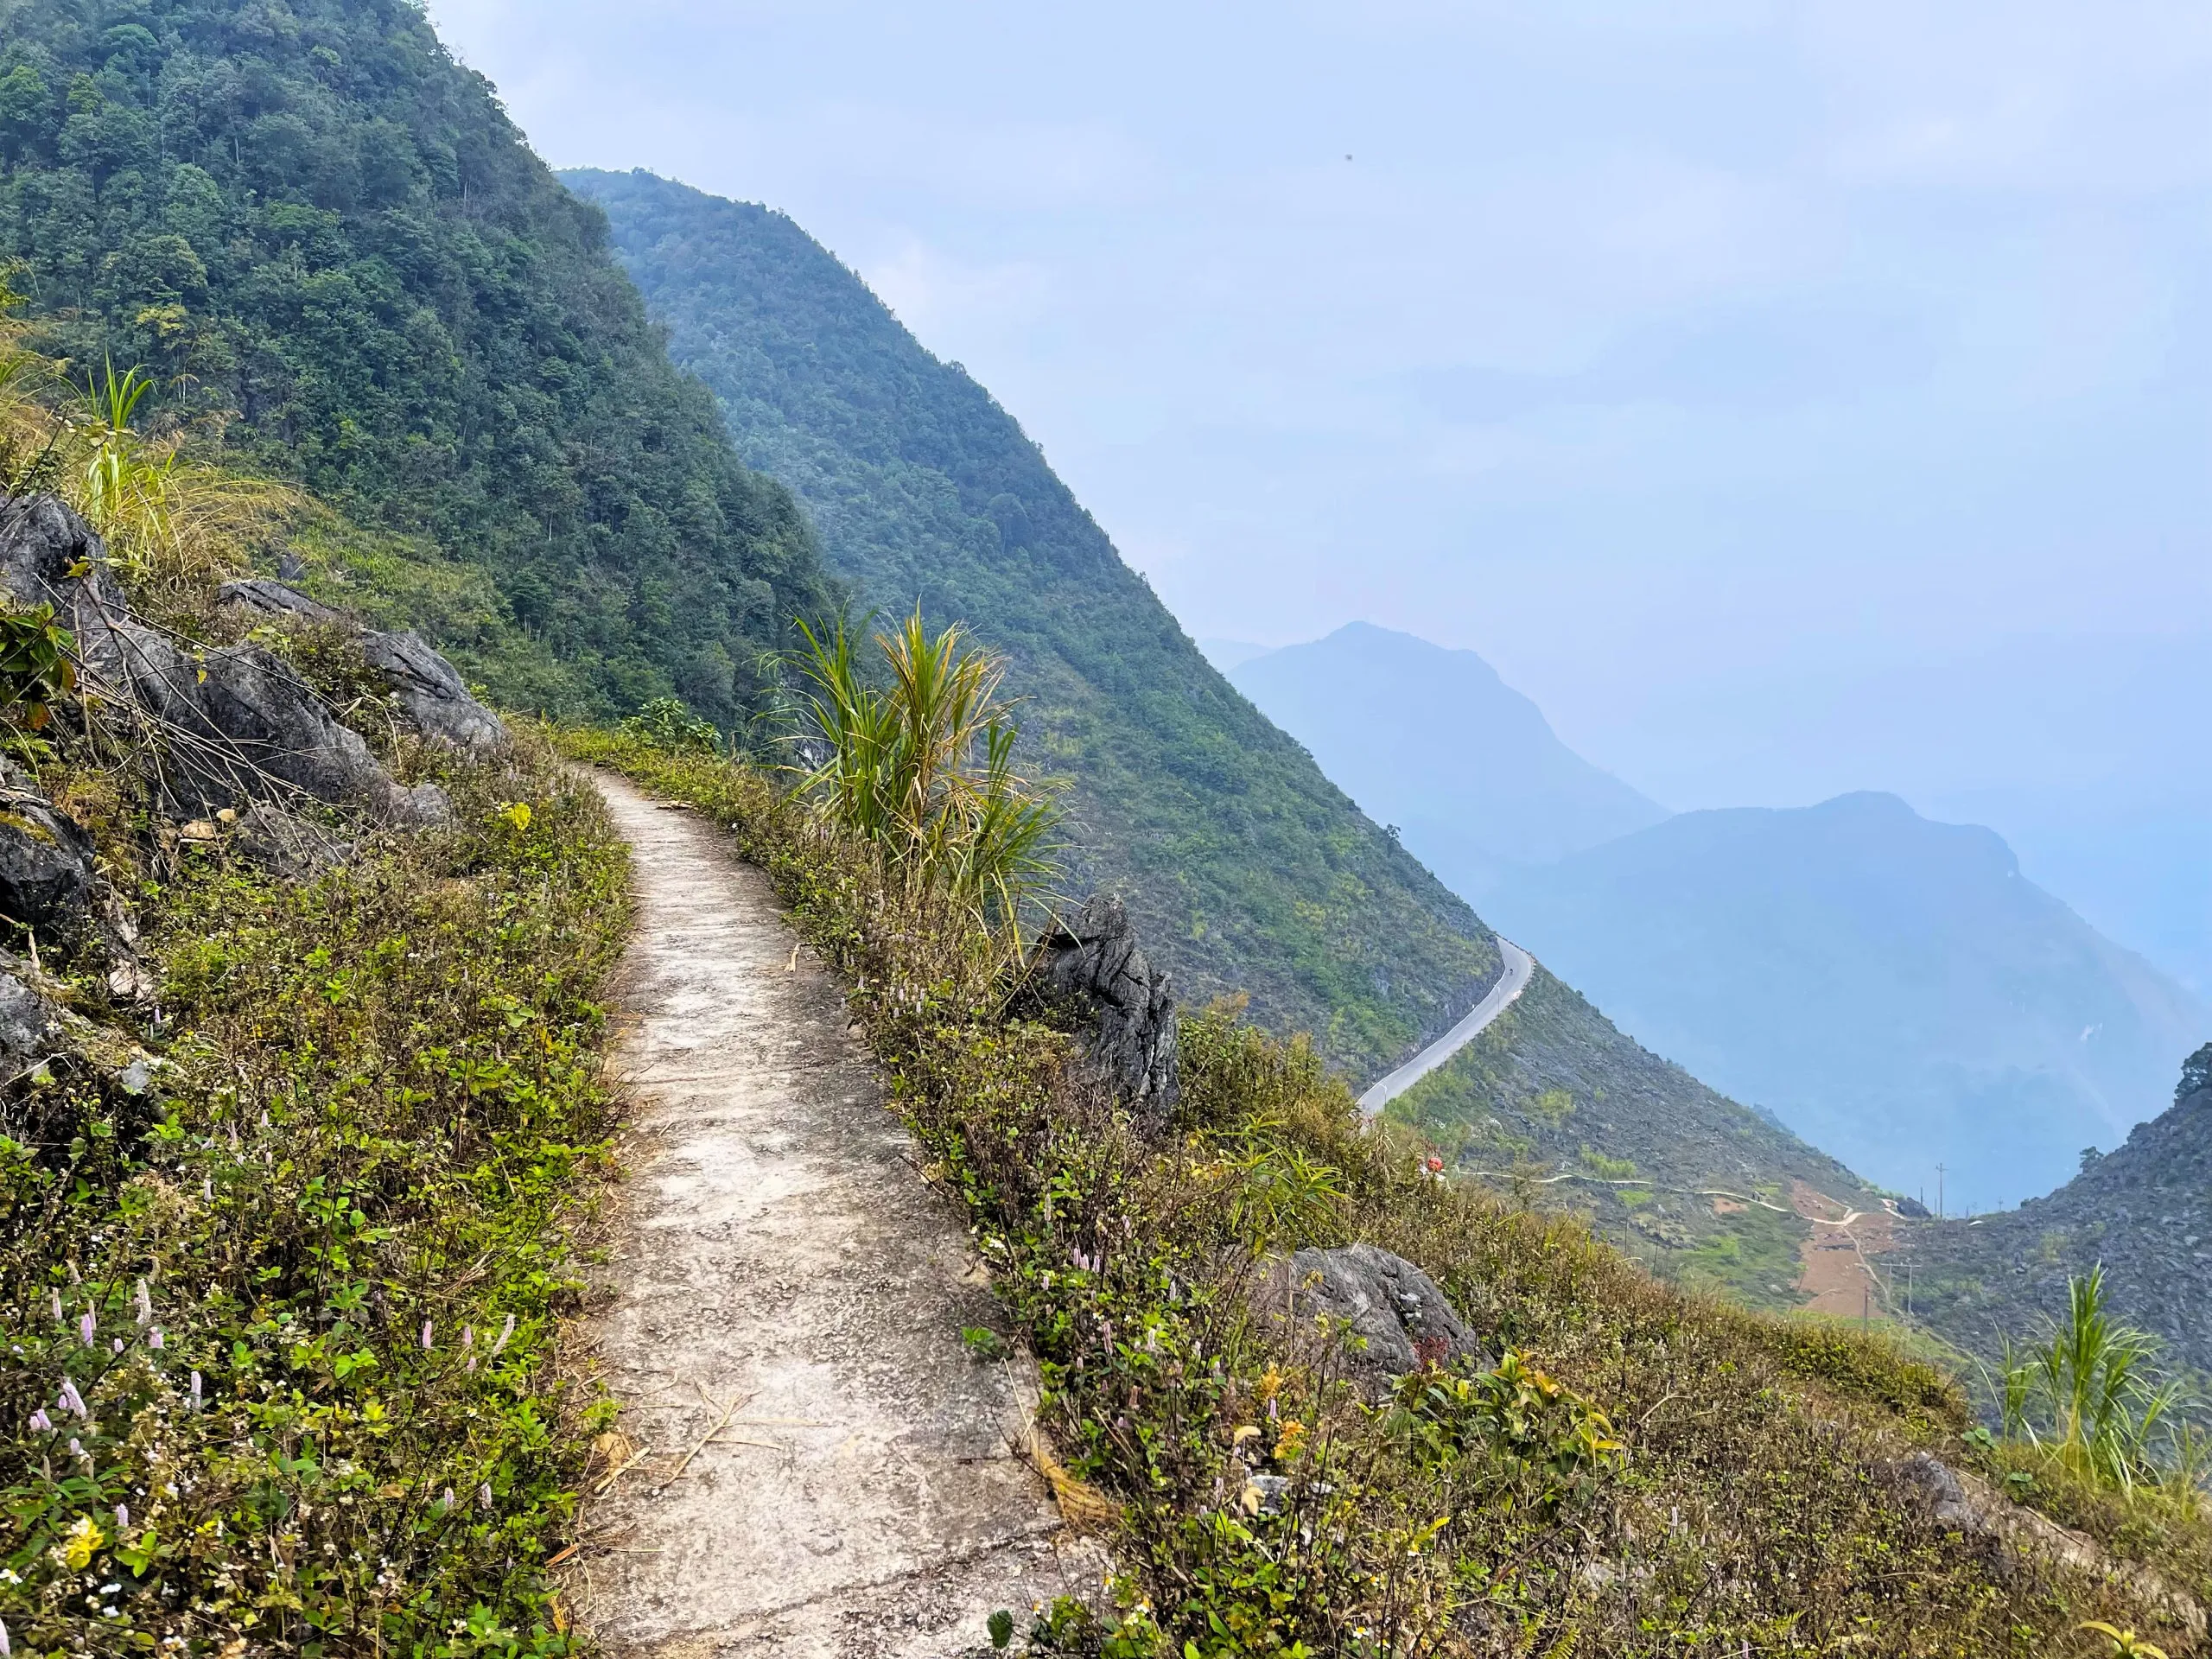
(820, 1466)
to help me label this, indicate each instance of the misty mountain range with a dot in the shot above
(1895, 990)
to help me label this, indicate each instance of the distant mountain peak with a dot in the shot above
(1429, 738)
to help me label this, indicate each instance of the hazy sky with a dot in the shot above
(1789, 398)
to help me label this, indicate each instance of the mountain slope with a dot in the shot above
(2144, 1212)
(1893, 987)
(310, 218)
(1245, 868)
(1552, 1101)
(1434, 741)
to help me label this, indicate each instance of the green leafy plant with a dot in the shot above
(35, 670)
(668, 723)
(2090, 1392)
(2125, 1645)
(921, 767)
(1512, 1412)
(175, 525)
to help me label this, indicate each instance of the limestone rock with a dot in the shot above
(28, 1024)
(46, 865)
(268, 598)
(1941, 1494)
(234, 724)
(1393, 1304)
(1094, 961)
(285, 845)
(430, 691)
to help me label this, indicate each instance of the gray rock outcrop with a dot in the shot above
(285, 845)
(46, 865)
(28, 1024)
(236, 723)
(430, 691)
(1094, 964)
(1396, 1309)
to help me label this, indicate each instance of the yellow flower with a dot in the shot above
(80, 1541)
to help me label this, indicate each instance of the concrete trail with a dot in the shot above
(815, 1464)
(1518, 968)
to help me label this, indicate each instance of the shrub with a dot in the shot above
(668, 723)
(922, 768)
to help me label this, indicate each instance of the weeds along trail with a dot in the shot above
(807, 1447)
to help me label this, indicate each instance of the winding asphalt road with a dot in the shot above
(1520, 967)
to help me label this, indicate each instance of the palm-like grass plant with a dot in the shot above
(2088, 1392)
(921, 765)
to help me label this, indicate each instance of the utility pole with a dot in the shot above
(1939, 1192)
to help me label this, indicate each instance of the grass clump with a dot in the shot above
(176, 524)
(1627, 1469)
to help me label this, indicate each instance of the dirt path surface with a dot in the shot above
(816, 1465)
(1515, 968)
(1837, 1253)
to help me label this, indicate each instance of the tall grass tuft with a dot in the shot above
(921, 766)
(2089, 1393)
(175, 526)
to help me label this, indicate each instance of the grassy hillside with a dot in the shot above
(1894, 989)
(1554, 1103)
(320, 231)
(1611, 1468)
(1245, 869)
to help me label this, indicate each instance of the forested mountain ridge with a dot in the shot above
(309, 217)
(1246, 869)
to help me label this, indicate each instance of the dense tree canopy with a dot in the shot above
(308, 216)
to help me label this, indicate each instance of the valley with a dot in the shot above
(1892, 989)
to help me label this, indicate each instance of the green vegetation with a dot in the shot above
(284, 1321)
(1244, 869)
(343, 267)
(1551, 1100)
(1634, 1469)
(282, 1253)
(921, 769)
(284, 1249)
(2090, 1395)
